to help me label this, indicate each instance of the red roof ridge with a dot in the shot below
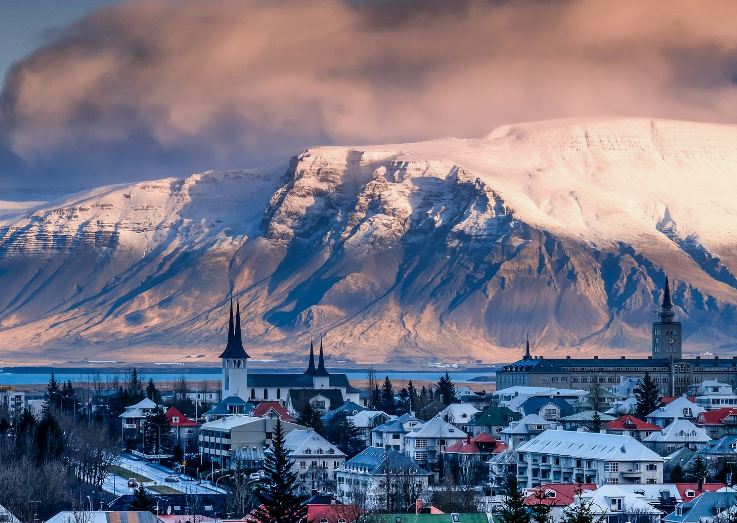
(619, 424)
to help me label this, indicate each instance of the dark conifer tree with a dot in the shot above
(582, 511)
(152, 392)
(374, 402)
(48, 440)
(596, 423)
(277, 493)
(310, 417)
(513, 508)
(413, 397)
(142, 501)
(157, 437)
(53, 393)
(446, 390)
(647, 393)
(24, 430)
(676, 475)
(388, 403)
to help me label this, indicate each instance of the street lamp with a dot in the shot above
(90, 500)
(221, 477)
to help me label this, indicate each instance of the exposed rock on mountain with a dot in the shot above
(446, 250)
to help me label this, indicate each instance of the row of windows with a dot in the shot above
(266, 394)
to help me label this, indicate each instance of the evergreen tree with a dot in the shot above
(403, 405)
(134, 385)
(446, 390)
(388, 403)
(582, 511)
(152, 392)
(48, 440)
(4, 426)
(513, 508)
(596, 423)
(540, 511)
(676, 475)
(413, 397)
(648, 396)
(142, 501)
(24, 429)
(699, 470)
(53, 392)
(375, 398)
(310, 417)
(277, 493)
(157, 436)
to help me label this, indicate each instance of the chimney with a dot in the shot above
(468, 439)
(622, 357)
(596, 357)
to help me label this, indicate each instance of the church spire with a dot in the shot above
(527, 350)
(311, 365)
(321, 370)
(666, 308)
(238, 339)
(231, 329)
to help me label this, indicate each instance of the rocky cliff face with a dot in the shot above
(448, 250)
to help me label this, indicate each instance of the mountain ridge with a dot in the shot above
(451, 249)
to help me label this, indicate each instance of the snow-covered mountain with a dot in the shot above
(448, 250)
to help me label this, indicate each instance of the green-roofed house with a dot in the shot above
(492, 421)
(425, 518)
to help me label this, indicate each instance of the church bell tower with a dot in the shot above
(666, 332)
(235, 360)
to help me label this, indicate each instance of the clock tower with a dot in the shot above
(666, 332)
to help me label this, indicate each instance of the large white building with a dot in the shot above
(316, 460)
(558, 456)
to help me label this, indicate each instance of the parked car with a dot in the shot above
(257, 475)
(132, 483)
(171, 478)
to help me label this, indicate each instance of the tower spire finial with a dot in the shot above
(311, 363)
(321, 370)
(231, 329)
(667, 303)
(527, 349)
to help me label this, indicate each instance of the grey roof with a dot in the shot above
(374, 461)
(222, 407)
(543, 365)
(99, 516)
(588, 415)
(294, 380)
(702, 507)
(396, 425)
(299, 397)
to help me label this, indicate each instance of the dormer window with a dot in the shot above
(175, 419)
(690, 494)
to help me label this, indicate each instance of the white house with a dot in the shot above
(392, 433)
(679, 408)
(134, 415)
(367, 420)
(459, 414)
(525, 429)
(615, 504)
(713, 395)
(316, 460)
(681, 433)
(558, 456)
(425, 442)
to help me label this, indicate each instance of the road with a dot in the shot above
(119, 486)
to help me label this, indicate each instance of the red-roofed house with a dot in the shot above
(467, 458)
(334, 513)
(718, 423)
(631, 426)
(273, 410)
(689, 491)
(184, 429)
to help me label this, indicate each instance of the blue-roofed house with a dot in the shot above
(551, 409)
(227, 407)
(704, 509)
(363, 479)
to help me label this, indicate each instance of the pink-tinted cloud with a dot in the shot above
(163, 84)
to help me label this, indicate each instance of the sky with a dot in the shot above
(107, 92)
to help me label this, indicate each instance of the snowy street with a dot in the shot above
(118, 485)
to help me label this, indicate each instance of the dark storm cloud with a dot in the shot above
(158, 87)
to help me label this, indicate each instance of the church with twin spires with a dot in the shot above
(325, 390)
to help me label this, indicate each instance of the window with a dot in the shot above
(302, 464)
(278, 394)
(308, 451)
(611, 467)
(266, 393)
(319, 451)
(253, 394)
(612, 481)
(421, 456)
(652, 466)
(421, 443)
(175, 419)
(690, 493)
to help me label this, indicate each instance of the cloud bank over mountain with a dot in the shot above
(150, 88)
